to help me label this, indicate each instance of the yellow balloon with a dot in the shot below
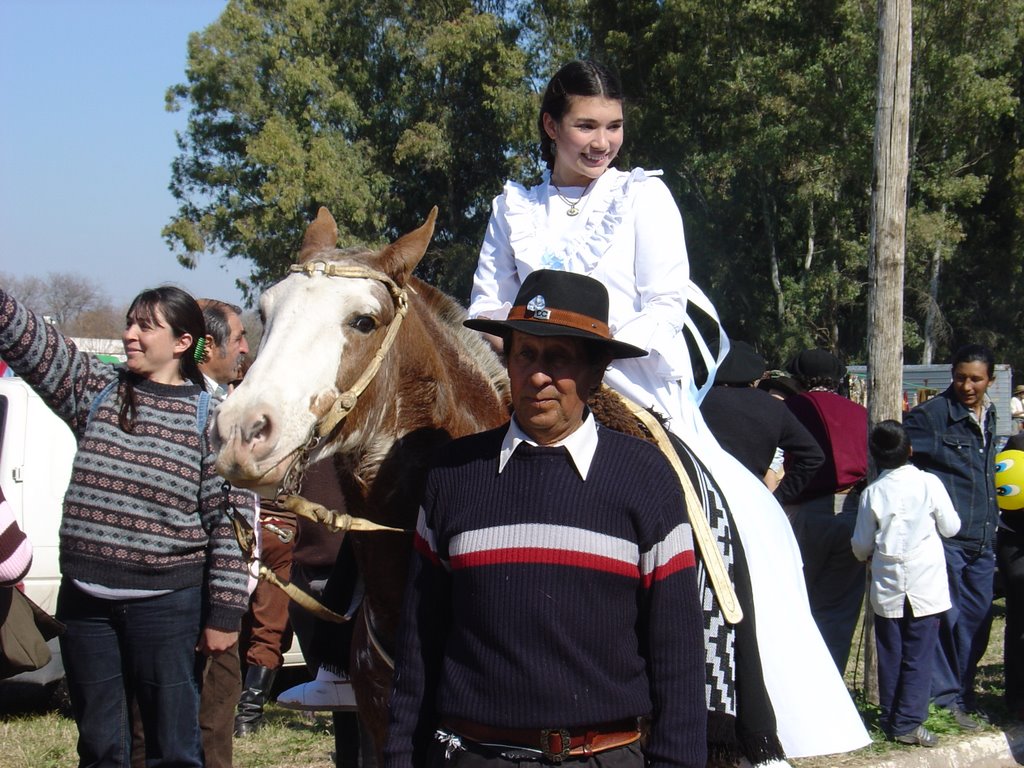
(1010, 480)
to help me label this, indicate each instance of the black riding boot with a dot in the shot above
(255, 693)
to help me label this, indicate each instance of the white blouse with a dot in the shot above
(629, 236)
(900, 518)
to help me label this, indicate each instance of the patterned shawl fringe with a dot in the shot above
(724, 750)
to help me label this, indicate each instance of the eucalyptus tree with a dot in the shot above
(760, 114)
(963, 252)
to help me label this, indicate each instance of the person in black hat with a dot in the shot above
(825, 512)
(751, 424)
(551, 611)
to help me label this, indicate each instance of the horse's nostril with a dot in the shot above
(259, 427)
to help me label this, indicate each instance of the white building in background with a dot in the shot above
(108, 350)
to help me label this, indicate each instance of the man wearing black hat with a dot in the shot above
(751, 424)
(551, 611)
(825, 513)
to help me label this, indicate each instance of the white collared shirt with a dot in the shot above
(899, 523)
(581, 444)
(217, 391)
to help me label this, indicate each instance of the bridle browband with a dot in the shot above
(346, 401)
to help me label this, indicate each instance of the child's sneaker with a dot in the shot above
(920, 736)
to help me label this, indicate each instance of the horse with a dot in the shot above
(363, 362)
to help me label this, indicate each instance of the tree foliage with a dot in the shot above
(378, 111)
(760, 112)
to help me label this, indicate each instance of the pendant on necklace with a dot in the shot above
(573, 210)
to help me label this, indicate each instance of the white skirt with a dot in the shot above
(815, 712)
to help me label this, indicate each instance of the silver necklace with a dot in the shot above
(573, 210)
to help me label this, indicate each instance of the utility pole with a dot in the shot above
(888, 237)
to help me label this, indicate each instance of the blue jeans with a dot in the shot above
(906, 655)
(963, 629)
(147, 647)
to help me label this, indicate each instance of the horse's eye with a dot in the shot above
(364, 324)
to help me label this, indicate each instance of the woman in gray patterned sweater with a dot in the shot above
(151, 570)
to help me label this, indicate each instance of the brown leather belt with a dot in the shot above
(556, 744)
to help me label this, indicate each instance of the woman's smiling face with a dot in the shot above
(587, 139)
(152, 348)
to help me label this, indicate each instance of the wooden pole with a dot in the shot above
(888, 236)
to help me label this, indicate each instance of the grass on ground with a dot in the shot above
(989, 687)
(34, 735)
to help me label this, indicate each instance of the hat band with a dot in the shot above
(564, 317)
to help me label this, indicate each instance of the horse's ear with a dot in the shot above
(401, 257)
(321, 235)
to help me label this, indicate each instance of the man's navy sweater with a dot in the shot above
(540, 600)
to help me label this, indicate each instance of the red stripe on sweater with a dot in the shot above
(547, 557)
(421, 546)
(680, 562)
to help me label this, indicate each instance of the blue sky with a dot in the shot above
(86, 145)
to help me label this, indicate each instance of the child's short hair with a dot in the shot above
(889, 444)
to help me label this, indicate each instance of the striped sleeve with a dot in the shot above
(426, 616)
(672, 635)
(425, 541)
(670, 555)
(227, 572)
(66, 378)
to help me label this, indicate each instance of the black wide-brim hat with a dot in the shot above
(778, 380)
(817, 364)
(742, 365)
(554, 303)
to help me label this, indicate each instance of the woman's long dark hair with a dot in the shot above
(182, 315)
(577, 78)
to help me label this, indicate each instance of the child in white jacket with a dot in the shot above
(901, 515)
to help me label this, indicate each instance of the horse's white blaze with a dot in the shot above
(271, 414)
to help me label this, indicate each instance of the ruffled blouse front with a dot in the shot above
(629, 236)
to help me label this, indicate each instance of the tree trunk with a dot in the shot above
(773, 257)
(931, 317)
(889, 213)
(888, 233)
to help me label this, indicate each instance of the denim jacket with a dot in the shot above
(948, 443)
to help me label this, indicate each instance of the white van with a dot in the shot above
(36, 451)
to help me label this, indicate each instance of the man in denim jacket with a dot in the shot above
(953, 437)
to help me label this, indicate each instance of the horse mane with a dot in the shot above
(451, 314)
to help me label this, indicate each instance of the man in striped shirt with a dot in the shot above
(551, 611)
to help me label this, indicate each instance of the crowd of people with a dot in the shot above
(556, 605)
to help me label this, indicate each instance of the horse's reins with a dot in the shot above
(288, 492)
